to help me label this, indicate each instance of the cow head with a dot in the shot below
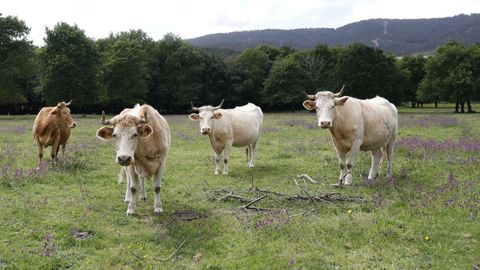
(125, 130)
(206, 115)
(61, 113)
(324, 103)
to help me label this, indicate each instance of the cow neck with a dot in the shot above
(338, 117)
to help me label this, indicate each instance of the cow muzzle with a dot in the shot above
(74, 124)
(124, 160)
(205, 131)
(325, 124)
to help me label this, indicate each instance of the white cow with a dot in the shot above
(142, 137)
(230, 127)
(354, 125)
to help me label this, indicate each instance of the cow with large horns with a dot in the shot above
(142, 138)
(356, 125)
(230, 127)
(52, 127)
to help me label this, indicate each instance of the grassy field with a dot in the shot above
(73, 215)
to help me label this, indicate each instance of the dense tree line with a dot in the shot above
(129, 67)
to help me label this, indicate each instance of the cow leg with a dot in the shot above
(376, 157)
(133, 185)
(343, 166)
(54, 151)
(226, 156)
(63, 150)
(389, 153)
(128, 193)
(217, 162)
(40, 154)
(248, 151)
(253, 154)
(157, 186)
(143, 196)
(351, 162)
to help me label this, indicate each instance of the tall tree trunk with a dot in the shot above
(457, 105)
(413, 104)
(436, 103)
(469, 104)
(462, 104)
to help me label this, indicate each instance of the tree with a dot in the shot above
(70, 65)
(413, 70)
(17, 61)
(452, 74)
(285, 83)
(124, 70)
(367, 72)
(177, 75)
(248, 72)
(318, 67)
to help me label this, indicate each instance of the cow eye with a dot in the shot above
(114, 135)
(333, 106)
(134, 135)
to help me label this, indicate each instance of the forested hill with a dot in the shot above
(400, 37)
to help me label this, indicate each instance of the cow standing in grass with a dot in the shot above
(142, 138)
(354, 125)
(52, 127)
(231, 127)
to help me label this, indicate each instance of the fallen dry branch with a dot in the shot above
(251, 207)
(171, 256)
(306, 177)
(330, 197)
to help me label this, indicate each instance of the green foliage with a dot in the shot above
(177, 74)
(452, 74)
(124, 69)
(70, 65)
(17, 60)
(249, 71)
(412, 69)
(285, 83)
(368, 72)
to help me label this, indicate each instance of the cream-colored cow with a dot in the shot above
(142, 138)
(354, 125)
(231, 127)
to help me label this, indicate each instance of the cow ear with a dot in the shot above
(340, 101)
(309, 105)
(217, 115)
(105, 133)
(144, 130)
(54, 111)
(194, 116)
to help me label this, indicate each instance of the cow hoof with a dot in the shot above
(130, 212)
(216, 173)
(251, 166)
(127, 200)
(158, 211)
(225, 173)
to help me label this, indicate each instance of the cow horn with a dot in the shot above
(103, 122)
(339, 94)
(312, 97)
(219, 106)
(193, 107)
(144, 120)
(68, 103)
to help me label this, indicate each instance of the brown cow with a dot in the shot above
(52, 127)
(142, 138)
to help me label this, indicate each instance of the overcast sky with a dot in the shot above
(193, 18)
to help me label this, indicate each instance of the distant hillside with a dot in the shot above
(400, 37)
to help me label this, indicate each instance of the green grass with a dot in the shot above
(435, 193)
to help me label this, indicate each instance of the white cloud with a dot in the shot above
(190, 18)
